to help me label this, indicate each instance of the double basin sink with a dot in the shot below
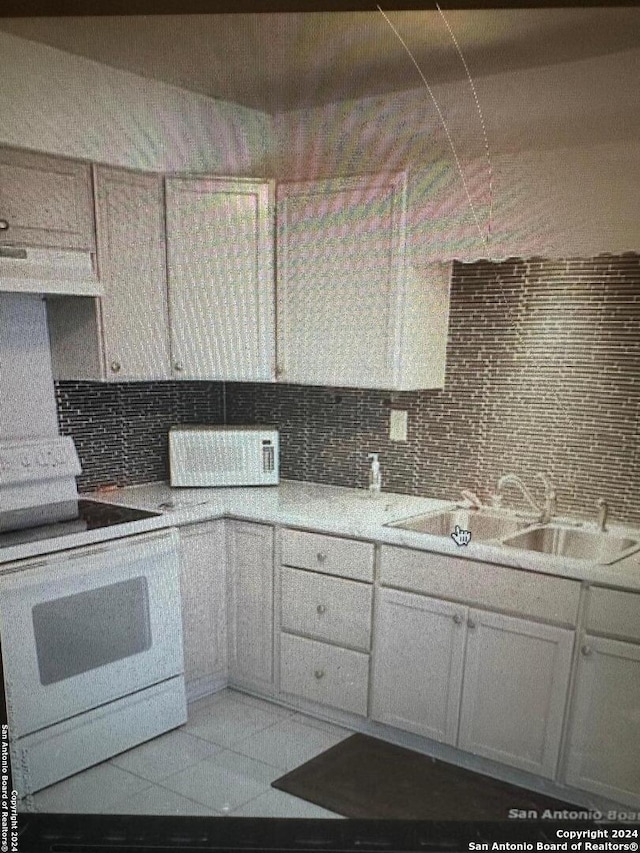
(526, 533)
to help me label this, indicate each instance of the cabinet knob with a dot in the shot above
(458, 619)
(587, 650)
(4, 225)
(321, 556)
(115, 366)
(321, 609)
(178, 366)
(319, 673)
(471, 623)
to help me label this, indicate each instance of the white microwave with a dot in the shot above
(224, 456)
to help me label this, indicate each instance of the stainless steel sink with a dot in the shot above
(559, 541)
(483, 524)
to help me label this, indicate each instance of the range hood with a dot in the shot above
(48, 271)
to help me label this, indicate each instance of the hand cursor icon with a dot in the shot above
(461, 537)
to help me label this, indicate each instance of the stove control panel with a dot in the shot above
(38, 459)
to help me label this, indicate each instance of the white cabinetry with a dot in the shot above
(204, 606)
(124, 335)
(492, 684)
(45, 201)
(250, 551)
(325, 619)
(604, 741)
(516, 678)
(221, 285)
(323, 673)
(351, 312)
(418, 658)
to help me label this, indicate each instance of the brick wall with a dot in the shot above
(543, 374)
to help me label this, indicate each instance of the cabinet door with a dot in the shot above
(340, 275)
(221, 289)
(417, 664)
(604, 741)
(131, 258)
(516, 679)
(45, 201)
(204, 605)
(250, 549)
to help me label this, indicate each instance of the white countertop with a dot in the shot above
(326, 509)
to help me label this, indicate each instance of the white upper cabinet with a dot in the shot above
(131, 259)
(45, 201)
(221, 283)
(351, 311)
(123, 336)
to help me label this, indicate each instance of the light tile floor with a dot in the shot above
(221, 762)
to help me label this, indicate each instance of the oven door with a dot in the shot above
(89, 626)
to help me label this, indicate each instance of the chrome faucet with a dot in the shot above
(603, 512)
(472, 499)
(550, 499)
(546, 513)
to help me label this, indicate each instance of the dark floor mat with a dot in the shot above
(363, 777)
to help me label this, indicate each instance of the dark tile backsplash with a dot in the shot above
(120, 431)
(543, 374)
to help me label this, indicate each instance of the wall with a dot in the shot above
(63, 104)
(27, 403)
(543, 373)
(559, 169)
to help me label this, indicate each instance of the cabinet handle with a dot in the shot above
(458, 619)
(178, 366)
(319, 673)
(115, 366)
(321, 609)
(4, 225)
(471, 623)
(321, 556)
(587, 651)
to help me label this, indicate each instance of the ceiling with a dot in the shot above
(278, 62)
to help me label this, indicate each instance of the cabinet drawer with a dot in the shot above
(541, 596)
(614, 612)
(329, 554)
(326, 608)
(325, 674)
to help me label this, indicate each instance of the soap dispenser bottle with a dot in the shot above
(375, 477)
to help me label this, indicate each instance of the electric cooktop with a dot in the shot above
(91, 516)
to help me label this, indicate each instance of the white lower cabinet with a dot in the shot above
(326, 598)
(250, 552)
(326, 608)
(323, 673)
(604, 743)
(204, 605)
(490, 684)
(516, 679)
(487, 683)
(418, 658)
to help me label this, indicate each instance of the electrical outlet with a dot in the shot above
(398, 419)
